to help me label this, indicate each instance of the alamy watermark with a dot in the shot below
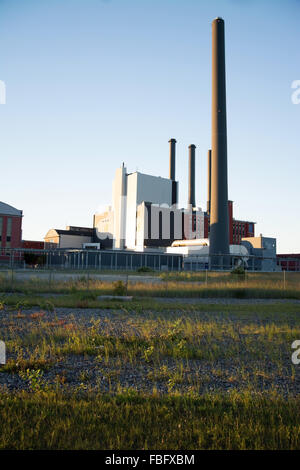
(2, 92)
(296, 354)
(296, 94)
(2, 353)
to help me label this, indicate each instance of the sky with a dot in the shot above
(94, 83)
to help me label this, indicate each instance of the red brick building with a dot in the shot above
(238, 229)
(33, 244)
(289, 261)
(10, 229)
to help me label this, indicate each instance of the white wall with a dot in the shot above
(128, 192)
(144, 188)
(142, 226)
(154, 189)
(131, 209)
(119, 208)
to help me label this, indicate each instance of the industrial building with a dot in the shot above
(289, 261)
(145, 214)
(11, 233)
(10, 229)
(144, 225)
(72, 237)
(145, 217)
(33, 245)
(238, 229)
(262, 253)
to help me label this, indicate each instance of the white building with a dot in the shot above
(142, 213)
(143, 188)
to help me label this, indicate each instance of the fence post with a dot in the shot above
(284, 283)
(12, 279)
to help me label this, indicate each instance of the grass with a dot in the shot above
(217, 276)
(22, 303)
(179, 285)
(210, 333)
(24, 364)
(147, 374)
(164, 322)
(134, 421)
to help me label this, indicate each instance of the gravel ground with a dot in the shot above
(92, 372)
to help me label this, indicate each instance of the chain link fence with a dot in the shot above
(112, 260)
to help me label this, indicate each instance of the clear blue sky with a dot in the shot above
(93, 83)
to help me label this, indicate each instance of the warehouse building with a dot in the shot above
(10, 229)
(262, 253)
(71, 237)
(289, 261)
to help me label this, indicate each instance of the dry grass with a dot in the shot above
(86, 290)
(134, 421)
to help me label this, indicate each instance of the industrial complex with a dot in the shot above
(144, 224)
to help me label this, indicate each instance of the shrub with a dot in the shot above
(239, 273)
(120, 288)
(145, 269)
(86, 295)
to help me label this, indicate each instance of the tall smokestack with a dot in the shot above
(191, 200)
(172, 143)
(208, 180)
(219, 232)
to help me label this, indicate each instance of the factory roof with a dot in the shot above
(289, 255)
(243, 221)
(6, 209)
(83, 232)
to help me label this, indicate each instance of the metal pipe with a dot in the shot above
(191, 199)
(219, 226)
(208, 180)
(172, 143)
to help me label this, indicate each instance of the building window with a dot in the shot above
(9, 225)
(1, 228)
(8, 233)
